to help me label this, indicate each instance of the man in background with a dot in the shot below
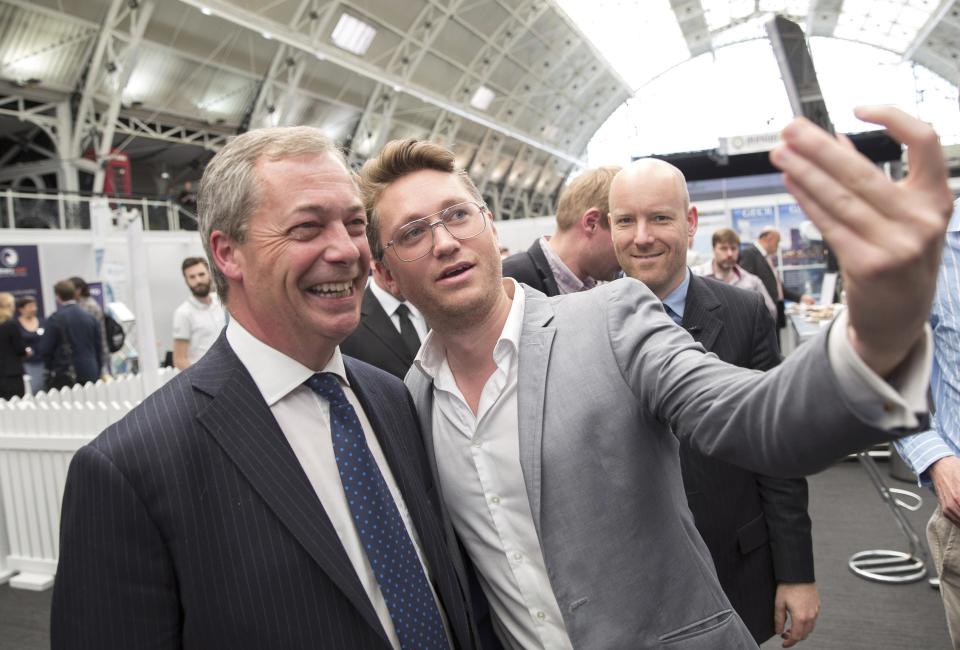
(89, 304)
(935, 454)
(390, 329)
(760, 259)
(580, 253)
(71, 343)
(198, 320)
(756, 527)
(723, 267)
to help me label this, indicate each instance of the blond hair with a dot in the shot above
(6, 306)
(230, 188)
(398, 159)
(591, 189)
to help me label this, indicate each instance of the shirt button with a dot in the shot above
(495, 500)
(517, 557)
(476, 444)
(888, 407)
(541, 615)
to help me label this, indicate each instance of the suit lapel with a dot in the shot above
(536, 341)
(376, 320)
(543, 267)
(240, 421)
(700, 312)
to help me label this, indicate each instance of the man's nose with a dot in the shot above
(443, 242)
(340, 248)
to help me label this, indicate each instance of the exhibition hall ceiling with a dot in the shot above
(516, 87)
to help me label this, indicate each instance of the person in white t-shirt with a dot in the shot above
(198, 320)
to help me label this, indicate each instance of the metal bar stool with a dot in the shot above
(892, 567)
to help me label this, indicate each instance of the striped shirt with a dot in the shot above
(943, 439)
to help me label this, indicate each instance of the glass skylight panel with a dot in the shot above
(745, 31)
(890, 24)
(717, 13)
(639, 39)
(353, 35)
(796, 8)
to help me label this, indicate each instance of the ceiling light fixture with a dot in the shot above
(353, 35)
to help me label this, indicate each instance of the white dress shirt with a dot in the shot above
(304, 418)
(390, 304)
(482, 481)
(484, 491)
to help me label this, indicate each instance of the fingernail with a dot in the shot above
(780, 155)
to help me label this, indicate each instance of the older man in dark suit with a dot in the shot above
(275, 494)
(757, 258)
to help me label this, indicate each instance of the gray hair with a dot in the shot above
(230, 188)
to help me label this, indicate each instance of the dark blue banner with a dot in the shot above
(96, 292)
(20, 273)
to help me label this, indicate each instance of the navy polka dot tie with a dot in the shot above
(389, 548)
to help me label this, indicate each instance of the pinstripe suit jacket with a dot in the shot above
(756, 527)
(190, 524)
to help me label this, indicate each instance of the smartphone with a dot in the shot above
(796, 68)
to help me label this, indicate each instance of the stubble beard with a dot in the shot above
(201, 290)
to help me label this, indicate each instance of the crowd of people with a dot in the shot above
(68, 347)
(565, 465)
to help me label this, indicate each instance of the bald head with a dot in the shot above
(645, 173)
(651, 222)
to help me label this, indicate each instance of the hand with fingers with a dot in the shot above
(802, 602)
(946, 481)
(887, 236)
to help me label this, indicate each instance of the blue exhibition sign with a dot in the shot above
(20, 273)
(749, 221)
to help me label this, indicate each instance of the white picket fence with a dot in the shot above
(38, 437)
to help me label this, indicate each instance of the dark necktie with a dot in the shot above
(408, 333)
(389, 548)
(672, 314)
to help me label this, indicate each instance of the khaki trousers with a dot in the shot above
(944, 540)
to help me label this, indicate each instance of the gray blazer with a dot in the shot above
(604, 376)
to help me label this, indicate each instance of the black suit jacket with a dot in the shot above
(531, 268)
(12, 349)
(191, 524)
(752, 260)
(83, 331)
(377, 341)
(756, 527)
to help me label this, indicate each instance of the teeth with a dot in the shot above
(334, 289)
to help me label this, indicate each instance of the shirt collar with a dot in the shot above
(677, 299)
(196, 302)
(567, 280)
(433, 356)
(275, 374)
(387, 301)
(955, 219)
(763, 251)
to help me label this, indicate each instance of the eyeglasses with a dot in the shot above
(416, 239)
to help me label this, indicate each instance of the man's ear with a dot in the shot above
(693, 219)
(226, 255)
(590, 220)
(381, 269)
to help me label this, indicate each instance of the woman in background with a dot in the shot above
(12, 351)
(31, 329)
